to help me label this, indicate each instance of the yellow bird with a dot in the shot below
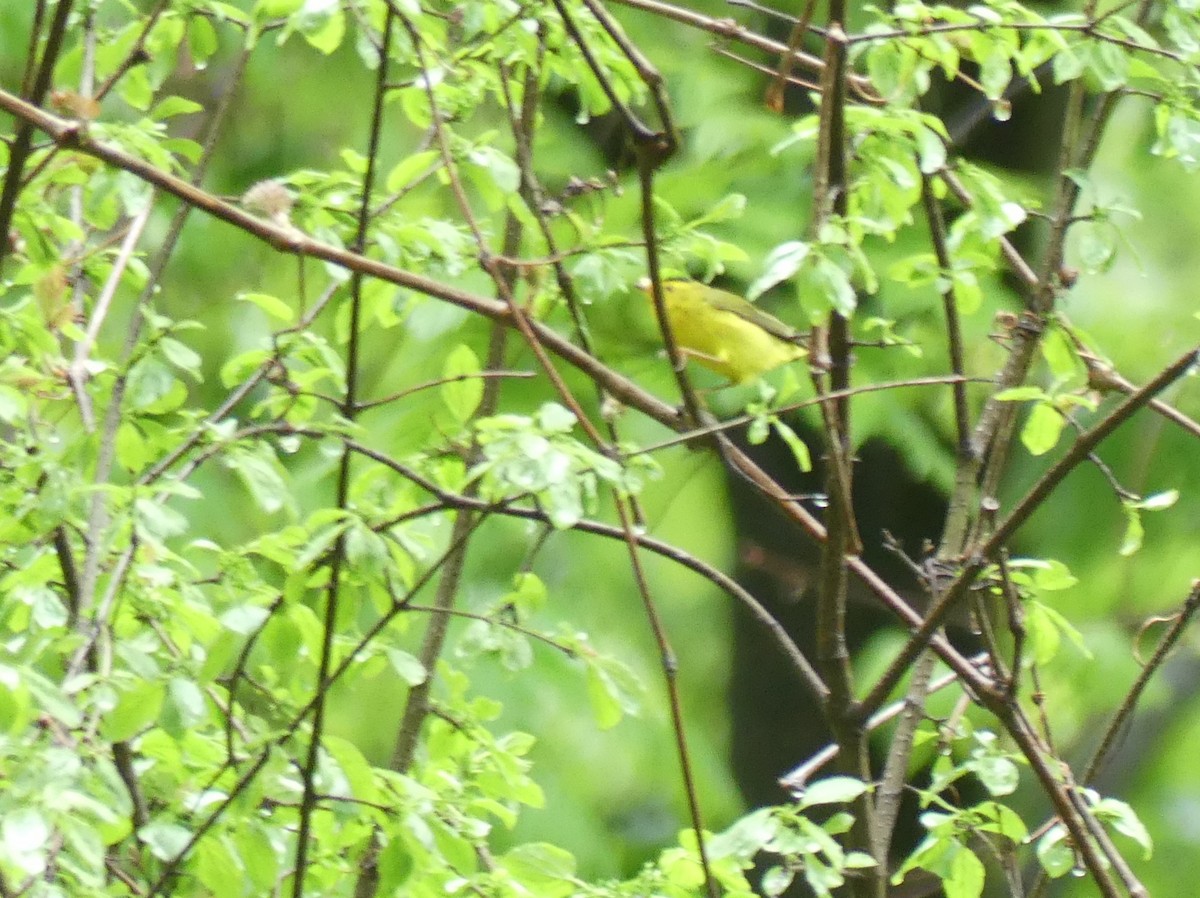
(726, 333)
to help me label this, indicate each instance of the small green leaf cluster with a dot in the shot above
(957, 836)
(796, 844)
(689, 244)
(1059, 858)
(535, 456)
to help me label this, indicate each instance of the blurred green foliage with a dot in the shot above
(612, 799)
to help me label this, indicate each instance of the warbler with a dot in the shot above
(726, 333)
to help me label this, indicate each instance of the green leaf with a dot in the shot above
(406, 666)
(214, 863)
(166, 841)
(25, 841)
(782, 262)
(1055, 853)
(776, 880)
(136, 709)
(173, 106)
(1097, 246)
(931, 150)
(998, 774)
(1059, 353)
(181, 356)
(1067, 66)
(16, 708)
(396, 866)
(1125, 820)
(1159, 501)
(1044, 638)
(135, 88)
(49, 699)
(528, 593)
(500, 168)
(158, 521)
(359, 773)
(324, 30)
(1108, 63)
(259, 470)
(13, 404)
(1042, 429)
(202, 40)
(965, 876)
(153, 388)
(1045, 625)
(1052, 575)
(463, 390)
(556, 418)
(1135, 532)
(272, 305)
(832, 790)
(995, 71)
(404, 171)
(543, 868)
(258, 855)
(825, 281)
(730, 206)
(799, 449)
(133, 453)
(613, 691)
(277, 8)
(189, 701)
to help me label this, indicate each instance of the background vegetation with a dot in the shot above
(263, 439)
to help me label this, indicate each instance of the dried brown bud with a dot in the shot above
(1006, 321)
(271, 199)
(1101, 376)
(70, 103)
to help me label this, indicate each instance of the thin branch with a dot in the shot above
(729, 28)
(806, 674)
(292, 241)
(338, 560)
(670, 670)
(1080, 450)
(727, 424)
(774, 93)
(798, 776)
(1122, 715)
(18, 151)
(78, 373)
(1003, 531)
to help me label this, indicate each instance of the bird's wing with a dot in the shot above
(746, 310)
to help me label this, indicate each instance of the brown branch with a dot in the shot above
(670, 670)
(290, 240)
(1115, 726)
(729, 28)
(774, 93)
(1032, 499)
(18, 151)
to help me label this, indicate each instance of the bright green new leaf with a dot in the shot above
(463, 390)
(1042, 428)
